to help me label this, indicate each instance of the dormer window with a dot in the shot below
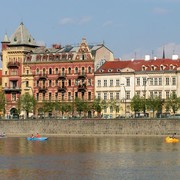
(101, 70)
(171, 67)
(143, 68)
(152, 68)
(161, 67)
(110, 70)
(118, 70)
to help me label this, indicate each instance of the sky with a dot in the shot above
(131, 29)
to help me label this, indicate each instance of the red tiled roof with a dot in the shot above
(137, 65)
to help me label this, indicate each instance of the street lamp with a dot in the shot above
(145, 84)
(124, 98)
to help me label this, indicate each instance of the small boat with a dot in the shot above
(37, 138)
(171, 140)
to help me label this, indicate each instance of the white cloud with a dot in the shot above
(107, 23)
(67, 20)
(80, 21)
(160, 11)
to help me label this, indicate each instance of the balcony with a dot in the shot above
(42, 76)
(12, 89)
(82, 88)
(81, 75)
(13, 64)
(61, 89)
(61, 76)
(42, 89)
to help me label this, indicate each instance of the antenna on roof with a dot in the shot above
(134, 55)
(164, 53)
(152, 54)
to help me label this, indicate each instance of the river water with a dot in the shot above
(89, 158)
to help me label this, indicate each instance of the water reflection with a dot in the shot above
(89, 158)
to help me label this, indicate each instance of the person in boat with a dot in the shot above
(38, 135)
(173, 136)
(32, 136)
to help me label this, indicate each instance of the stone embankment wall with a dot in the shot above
(91, 127)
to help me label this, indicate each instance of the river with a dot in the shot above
(89, 158)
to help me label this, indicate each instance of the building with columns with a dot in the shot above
(50, 74)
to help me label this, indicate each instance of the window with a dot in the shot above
(144, 81)
(99, 83)
(89, 82)
(127, 94)
(138, 81)
(56, 70)
(117, 82)
(167, 81)
(50, 83)
(89, 69)
(89, 95)
(105, 83)
(117, 95)
(105, 96)
(27, 72)
(27, 83)
(174, 81)
(76, 70)
(155, 82)
(13, 96)
(117, 109)
(69, 82)
(50, 96)
(111, 82)
(160, 94)
(69, 70)
(160, 81)
(37, 71)
(127, 81)
(99, 95)
(138, 93)
(111, 95)
(167, 94)
(151, 81)
(56, 96)
(44, 71)
(69, 96)
(50, 71)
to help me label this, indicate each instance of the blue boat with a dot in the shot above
(37, 139)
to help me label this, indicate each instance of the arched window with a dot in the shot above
(56, 70)
(50, 71)
(44, 71)
(69, 70)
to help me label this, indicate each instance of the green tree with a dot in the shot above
(28, 103)
(80, 105)
(48, 106)
(2, 102)
(173, 102)
(137, 104)
(97, 106)
(154, 104)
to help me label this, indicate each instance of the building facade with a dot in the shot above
(121, 80)
(50, 74)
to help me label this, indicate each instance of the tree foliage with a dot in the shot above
(28, 103)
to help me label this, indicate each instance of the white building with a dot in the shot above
(121, 80)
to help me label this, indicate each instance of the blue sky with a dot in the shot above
(129, 28)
